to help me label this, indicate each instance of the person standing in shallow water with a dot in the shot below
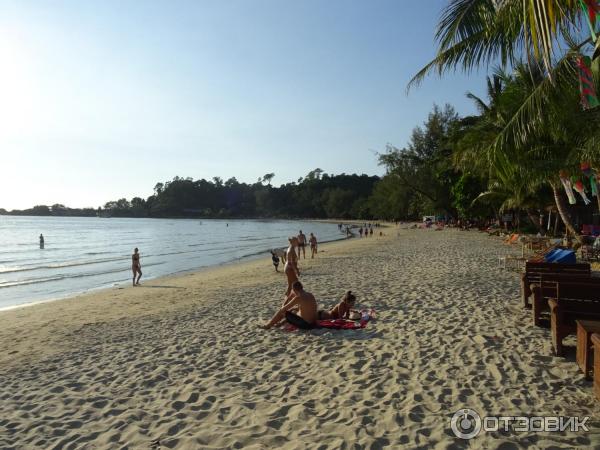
(313, 245)
(136, 267)
(301, 244)
(41, 240)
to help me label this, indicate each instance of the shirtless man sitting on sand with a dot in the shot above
(306, 306)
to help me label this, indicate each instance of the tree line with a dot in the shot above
(317, 195)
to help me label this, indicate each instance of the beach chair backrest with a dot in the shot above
(541, 267)
(578, 300)
(549, 282)
(534, 271)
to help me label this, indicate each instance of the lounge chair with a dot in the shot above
(512, 239)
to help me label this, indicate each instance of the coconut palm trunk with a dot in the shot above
(564, 213)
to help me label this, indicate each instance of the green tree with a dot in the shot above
(425, 166)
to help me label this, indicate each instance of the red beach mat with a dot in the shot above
(341, 324)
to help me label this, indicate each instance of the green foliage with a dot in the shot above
(464, 192)
(318, 195)
(423, 170)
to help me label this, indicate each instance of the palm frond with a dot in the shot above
(474, 33)
(522, 124)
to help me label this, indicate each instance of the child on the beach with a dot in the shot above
(275, 260)
(342, 310)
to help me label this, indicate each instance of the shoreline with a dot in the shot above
(242, 259)
(159, 278)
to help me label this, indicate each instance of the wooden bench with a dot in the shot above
(534, 270)
(585, 349)
(574, 301)
(545, 289)
(596, 344)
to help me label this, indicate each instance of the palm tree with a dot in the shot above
(518, 167)
(547, 34)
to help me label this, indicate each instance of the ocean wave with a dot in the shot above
(59, 265)
(59, 277)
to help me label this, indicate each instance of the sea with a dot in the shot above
(81, 254)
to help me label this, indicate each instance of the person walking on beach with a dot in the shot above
(136, 267)
(41, 241)
(301, 301)
(275, 260)
(313, 245)
(291, 266)
(360, 231)
(301, 244)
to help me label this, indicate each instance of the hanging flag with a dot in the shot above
(586, 83)
(593, 9)
(586, 168)
(568, 187)
(578, 185)
(594, 185)
(588, 172)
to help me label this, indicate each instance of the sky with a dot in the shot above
(100, 100)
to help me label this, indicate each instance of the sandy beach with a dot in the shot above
(181, 363)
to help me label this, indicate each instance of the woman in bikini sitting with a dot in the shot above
(342, 310)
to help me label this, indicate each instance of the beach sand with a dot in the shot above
(181, 363)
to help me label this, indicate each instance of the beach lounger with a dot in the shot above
(574, 301)
(512, 239)
(562, 256)
(518, 261)
(538, 244)
(540, 255)
(534, 270)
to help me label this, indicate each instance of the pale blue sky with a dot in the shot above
(102, 99)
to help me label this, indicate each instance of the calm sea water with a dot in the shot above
(84, 253)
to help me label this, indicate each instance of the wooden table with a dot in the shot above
(596, 343)
(585, 328)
